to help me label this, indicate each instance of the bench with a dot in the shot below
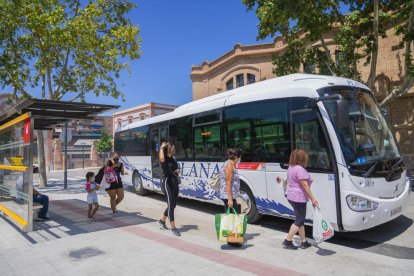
(36, 208)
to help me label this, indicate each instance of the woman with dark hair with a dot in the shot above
(169, 185)
(298, 194)
(230, 182)
(116, 190)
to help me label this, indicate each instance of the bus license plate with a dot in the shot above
(396, 211)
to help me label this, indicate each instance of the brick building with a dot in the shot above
(136, 113)
(248, 64)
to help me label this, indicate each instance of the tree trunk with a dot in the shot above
(374, 54)
(41, 159)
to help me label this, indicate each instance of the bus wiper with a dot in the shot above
(370, 170)
(396, 164)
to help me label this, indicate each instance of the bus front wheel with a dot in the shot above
(137, 183)
(248, 204)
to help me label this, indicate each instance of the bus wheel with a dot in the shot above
(248, 206)
(137, 182)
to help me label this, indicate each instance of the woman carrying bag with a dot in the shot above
(230, 183)
(298, 194)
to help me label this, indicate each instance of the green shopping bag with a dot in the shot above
(231, 226)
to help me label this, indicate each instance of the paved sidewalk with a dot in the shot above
(132, 244)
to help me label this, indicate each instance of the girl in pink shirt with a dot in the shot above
(298, 194)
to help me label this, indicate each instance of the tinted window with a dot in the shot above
(181, 133)
(308, 135)
(207, 142)
(204, 118)
(139, 141)
(122, 142)
(260, 129)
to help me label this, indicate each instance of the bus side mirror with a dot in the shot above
(342, 112)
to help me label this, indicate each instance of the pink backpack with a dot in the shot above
(110, 175)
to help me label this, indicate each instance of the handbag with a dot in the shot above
(215, 182)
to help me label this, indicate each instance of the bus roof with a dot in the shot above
(280, 87)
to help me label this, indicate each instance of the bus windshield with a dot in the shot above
(366, 140)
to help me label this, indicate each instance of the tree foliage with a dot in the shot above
(105, 143)
(306, 22)
(64, 47)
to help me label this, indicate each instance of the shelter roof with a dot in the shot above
(47, 113)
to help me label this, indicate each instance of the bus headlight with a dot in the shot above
(360, 204)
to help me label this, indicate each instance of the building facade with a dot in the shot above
(82, 145)
(249, 64)
(133, 114)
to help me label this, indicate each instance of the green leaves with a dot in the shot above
(105, 143)
(304, 25)
(79, 48)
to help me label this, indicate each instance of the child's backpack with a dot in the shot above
(110, 175)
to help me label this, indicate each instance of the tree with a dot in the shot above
(105, 143)
(304, 22)
(66, 49)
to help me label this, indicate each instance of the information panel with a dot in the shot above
(16, 172)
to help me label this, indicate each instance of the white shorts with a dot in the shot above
(92, 198)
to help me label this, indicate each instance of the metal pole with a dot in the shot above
(65, 175)
(83, 156)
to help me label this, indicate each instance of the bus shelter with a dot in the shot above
(17, 126)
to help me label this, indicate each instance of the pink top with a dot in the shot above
(295, 191)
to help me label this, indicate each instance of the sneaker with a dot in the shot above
(43, 218)
(162, 225)
(305, 245)
(176, 232)
(289, 245)
(114, 214)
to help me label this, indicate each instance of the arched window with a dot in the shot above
(240, 80)
(130, 119)
(251, 78)
(229, 84)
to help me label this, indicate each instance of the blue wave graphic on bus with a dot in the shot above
(127, 164)
(197, 188)
(270, 207)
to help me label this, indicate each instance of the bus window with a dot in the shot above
(122, 143)
(181, 132)
(308, 135)
(139, 141)
(207, 142)
(260, 129)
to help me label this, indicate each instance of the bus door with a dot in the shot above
(159, 134)
(308, 134)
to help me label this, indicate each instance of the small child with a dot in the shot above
(92, 198)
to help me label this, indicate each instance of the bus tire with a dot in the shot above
(253, 214)
(137, 183)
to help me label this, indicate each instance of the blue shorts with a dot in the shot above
(92, 198)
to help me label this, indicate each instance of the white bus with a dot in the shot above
(359, 177)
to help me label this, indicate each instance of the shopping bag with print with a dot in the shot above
(230, 227)
(322, 229)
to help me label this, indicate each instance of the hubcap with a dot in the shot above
(137, 181)
(246, 205)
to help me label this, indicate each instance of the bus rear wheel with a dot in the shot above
(137, 183)
(248, 207)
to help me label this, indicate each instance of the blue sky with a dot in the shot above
(175, 35)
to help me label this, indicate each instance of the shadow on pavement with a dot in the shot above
(69, 218)
(186, 228)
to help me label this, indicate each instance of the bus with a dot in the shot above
(359, 176)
